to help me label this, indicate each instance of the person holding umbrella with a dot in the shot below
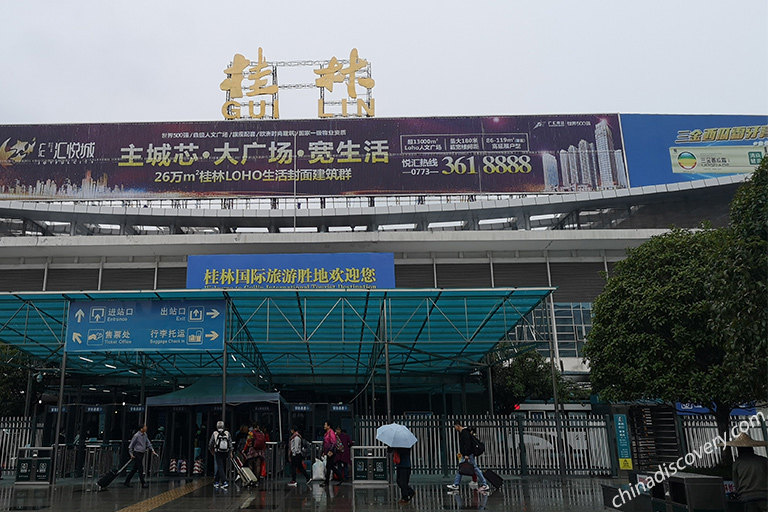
(400, 441)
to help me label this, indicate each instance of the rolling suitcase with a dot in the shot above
(110, 476)
(244, 472)
(493, 478)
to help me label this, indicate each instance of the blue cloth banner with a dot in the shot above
(305, 271)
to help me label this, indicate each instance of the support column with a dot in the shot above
(558, 419)
(386, 365)
(59, 412)
(224, 383)
(491, 410)
(373, 392)
(463, 395)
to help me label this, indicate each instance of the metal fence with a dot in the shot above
(514, 445)
(699, 430)
(16, 432)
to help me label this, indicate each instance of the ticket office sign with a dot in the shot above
(319, 157)
(146, 325)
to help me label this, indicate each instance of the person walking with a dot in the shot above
(329, 449)
(255, 449)
(220, 445)
(241, 438)
(750, 474)
(344, 445)
(138, 447)
(401, 457)
(466, 455)
(296, 444)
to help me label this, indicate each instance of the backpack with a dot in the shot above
(478, 447)
(259, 440)
(223, 442)
(306, 448)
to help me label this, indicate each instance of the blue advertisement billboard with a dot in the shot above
(146, 325)
(663, 149)
(307, 271)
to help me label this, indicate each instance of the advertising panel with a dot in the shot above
(321, 157)
(307, 271)
(673, 148)
(146, 325)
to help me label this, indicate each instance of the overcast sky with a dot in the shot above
(84, 61)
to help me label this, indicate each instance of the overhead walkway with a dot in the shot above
(605, 209)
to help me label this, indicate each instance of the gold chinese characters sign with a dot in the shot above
(252, 87)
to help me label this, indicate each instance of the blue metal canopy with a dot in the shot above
(302, 338)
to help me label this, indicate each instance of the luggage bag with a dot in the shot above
(110, 476)
(493, 478)
(244, 472)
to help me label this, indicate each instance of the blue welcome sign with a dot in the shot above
(304, 271)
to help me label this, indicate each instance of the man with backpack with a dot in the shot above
(220, 446)
(469, 448)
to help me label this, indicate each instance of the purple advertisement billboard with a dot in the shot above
(331, 157)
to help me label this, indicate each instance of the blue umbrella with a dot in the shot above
(395, 435)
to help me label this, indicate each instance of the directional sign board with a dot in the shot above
(146, 325)
(622, 440)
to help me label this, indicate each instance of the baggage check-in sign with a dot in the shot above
(146, 325)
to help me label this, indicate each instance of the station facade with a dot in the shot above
(515, 255)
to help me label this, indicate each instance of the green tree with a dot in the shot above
(527, 376)
(13, 383)
(739, 284)
(14, 375)
(652, 337)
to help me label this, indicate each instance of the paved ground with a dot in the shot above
(192, 495)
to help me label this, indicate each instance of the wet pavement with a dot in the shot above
(532, 494)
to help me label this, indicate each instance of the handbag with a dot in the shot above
(466, 468)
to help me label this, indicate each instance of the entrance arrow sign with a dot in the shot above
(146, 325)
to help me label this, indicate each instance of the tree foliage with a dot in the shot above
(684, 318)
(739, 284)
(527, 376)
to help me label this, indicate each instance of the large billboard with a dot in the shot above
(674, 148)
(322, 157)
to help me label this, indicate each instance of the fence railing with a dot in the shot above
(514, 445)
(699, 430)
(16, 432)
